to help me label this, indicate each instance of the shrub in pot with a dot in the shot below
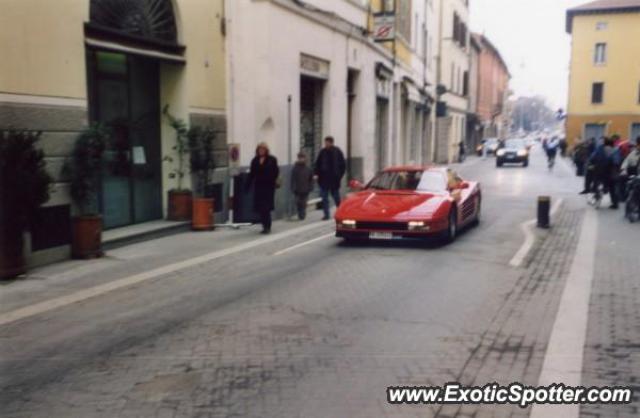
(83, 169)
(24, 187)
(179, 198)
(201, 159)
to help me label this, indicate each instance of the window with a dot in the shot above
(465, 83)
(597, 93)
(456, 27)
(403, 18)
(600, 56)
(602, 26)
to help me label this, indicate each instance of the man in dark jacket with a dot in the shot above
(330, 168)
(301, 184)
(606, 162)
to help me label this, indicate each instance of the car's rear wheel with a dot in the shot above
(450, 234)
(526, 163)
(476, 220)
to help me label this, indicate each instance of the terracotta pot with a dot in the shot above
(87, 237)
(12, 262)
(179, 205)
(202, 214)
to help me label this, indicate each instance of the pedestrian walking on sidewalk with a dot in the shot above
(606, 163)
(631, 164)
(263, 175)
(301, 184)
(330, 168)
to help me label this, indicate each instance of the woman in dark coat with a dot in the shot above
(264, 176)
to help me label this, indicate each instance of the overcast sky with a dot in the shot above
(530, 35)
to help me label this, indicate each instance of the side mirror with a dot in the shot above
(355, 186)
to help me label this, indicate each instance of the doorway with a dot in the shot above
(635, 132)
(124, 95)
(594, 130)
(382, 133)
(311, 92)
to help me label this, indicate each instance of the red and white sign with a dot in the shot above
(384, 27)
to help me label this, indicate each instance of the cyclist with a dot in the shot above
(551, 148)
(606, 162)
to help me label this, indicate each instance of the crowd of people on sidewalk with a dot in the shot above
(264, 177)
(608, 162)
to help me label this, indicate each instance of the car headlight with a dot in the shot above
(347, 223)
(522, 153)
(500, 153)
(417, 226)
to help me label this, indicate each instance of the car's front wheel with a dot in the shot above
(498, 163)
(450, 234)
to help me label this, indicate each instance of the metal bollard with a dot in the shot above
(544, 209)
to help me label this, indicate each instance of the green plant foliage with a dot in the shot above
(84, 167)
(181, 148)
(201, 144)
(24, 180)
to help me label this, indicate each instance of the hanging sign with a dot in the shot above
(384, 28)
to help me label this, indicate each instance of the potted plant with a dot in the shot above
(84, 168)
(179, 198)
(24, 187)
(202, 164)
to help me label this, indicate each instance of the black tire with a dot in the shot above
(526, 163)
(498, 163)
(632, 210)
(476, 221)
(450, 234)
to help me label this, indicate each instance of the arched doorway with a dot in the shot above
(126, 42)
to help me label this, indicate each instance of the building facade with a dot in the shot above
(370, 73)
(452, 79)
(492, 90)
(303, 70)
(120, 64)
(604, 86)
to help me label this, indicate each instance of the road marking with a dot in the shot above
(91, 292)
(530, 238)
(302, 244)
(565, 351)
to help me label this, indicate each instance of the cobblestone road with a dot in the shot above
(323, 330)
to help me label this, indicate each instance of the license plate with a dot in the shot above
(381, 235)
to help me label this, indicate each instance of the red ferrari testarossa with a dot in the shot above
(409, 202)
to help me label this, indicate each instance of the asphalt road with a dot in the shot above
(294, 328)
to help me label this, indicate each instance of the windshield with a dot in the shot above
(424, 181)
(514, 143)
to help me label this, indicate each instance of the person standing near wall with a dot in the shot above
(263, 175)
(330, 168)
(301, 184)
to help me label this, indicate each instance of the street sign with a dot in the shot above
(384, 27)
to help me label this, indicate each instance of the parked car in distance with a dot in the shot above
(491, 144)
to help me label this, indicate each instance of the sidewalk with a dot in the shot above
(612, 351)
(66, 277)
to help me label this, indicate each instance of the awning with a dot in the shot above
(108, 39)
(413, 94)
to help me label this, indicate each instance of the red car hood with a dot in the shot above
(390, 205)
